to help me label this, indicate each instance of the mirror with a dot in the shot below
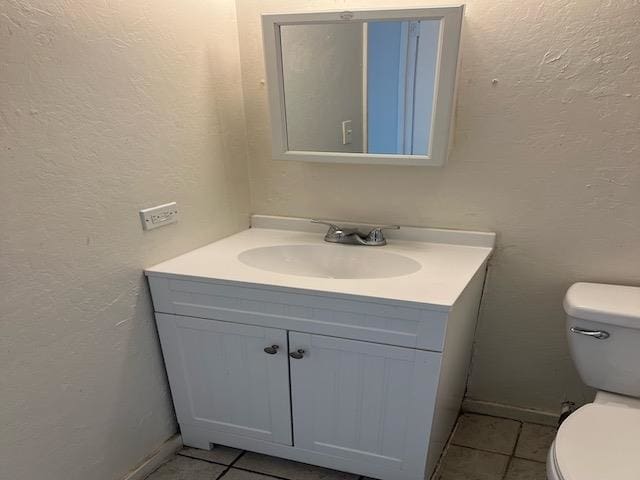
(362, 87)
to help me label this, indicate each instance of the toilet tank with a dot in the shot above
(603, 328)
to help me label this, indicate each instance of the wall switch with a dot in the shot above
(347, 131)
(155, 217)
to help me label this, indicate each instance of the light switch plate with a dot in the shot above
(347, 131)
(159, 216)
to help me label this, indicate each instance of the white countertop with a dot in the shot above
(446, 270)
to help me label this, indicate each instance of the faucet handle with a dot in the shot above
(336, 231)
(375, 236)
(332, 226)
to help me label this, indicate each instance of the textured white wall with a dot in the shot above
(105, 108)
(548, 157)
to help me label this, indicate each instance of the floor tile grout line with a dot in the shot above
(528, 459)
(515, 445)
(481, 450)
(224, 472)
(496, 453)
(509, 418)
(506, 469)
(237, 458)
(448, 444)
(513, 450)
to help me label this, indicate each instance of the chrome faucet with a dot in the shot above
(352, 236)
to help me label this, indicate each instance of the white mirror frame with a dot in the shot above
(445, 82)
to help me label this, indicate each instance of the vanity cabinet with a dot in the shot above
(341, 398)
(356, 400)
(363, 374)
(368, 387)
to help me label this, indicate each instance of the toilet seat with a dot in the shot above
(597, 442)
(552, 466)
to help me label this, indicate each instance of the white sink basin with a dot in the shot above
(329, 261)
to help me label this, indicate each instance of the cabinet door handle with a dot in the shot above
(272, 350)
(298, 354)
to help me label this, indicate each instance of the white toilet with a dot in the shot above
(601, 440)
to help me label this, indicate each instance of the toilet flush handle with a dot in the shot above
(599, 334)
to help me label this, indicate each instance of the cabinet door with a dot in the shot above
(363, 401)
(222, 379)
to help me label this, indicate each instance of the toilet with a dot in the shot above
(601, 440)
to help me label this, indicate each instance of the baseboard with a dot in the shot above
(508, 411)
(157, 458)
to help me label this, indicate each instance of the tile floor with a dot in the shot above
(490, 448)
(482, 448)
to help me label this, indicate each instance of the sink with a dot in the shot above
(329, 261)
(420, 265)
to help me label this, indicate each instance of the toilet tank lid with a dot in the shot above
(611, 304)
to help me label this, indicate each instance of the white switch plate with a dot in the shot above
(159, 216)
(347, 131)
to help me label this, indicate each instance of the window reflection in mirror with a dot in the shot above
(360, 87)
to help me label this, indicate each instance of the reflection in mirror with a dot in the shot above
(361, 87)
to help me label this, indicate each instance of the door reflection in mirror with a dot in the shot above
(401, 68)
(360, 87)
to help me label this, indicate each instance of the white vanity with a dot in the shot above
(334, 355)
